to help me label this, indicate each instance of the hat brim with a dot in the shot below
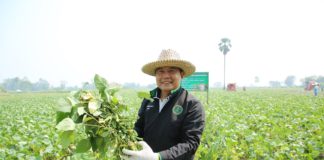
(187, 67)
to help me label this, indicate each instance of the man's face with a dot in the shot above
(168, 78)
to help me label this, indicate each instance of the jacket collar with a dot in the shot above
(156, 93)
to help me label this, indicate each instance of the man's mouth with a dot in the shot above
(166, 82)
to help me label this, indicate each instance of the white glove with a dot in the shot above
(145, 154)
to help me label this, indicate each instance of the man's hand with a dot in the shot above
(145, 154)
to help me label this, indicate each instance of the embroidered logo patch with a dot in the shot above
(149, 107)
(177, 109)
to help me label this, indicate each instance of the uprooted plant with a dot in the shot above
(96, 120)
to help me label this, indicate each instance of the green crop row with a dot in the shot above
(255, 124)
(263, 124)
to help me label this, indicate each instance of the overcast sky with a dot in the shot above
(72, 40)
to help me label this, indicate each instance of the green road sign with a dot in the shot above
(196, 82)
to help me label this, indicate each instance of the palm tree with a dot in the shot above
(224, 47)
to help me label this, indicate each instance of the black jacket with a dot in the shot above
(175, 132)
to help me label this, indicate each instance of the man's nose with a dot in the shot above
(165, 74)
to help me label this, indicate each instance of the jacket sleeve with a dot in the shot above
(139, 124)
(191, 131)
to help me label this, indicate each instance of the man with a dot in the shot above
(171, 125)
(316, 88)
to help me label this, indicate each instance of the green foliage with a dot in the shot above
(66, 124)
(290, 81)
(263, 124)
(83, 146)
(13, 84)
(225, 45)
(26, 127)
(145, 95)
(100, 113)
(255, 124)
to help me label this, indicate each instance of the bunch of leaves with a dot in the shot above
(102, 119)
(144, 95)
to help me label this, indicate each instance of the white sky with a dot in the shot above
(72, 40)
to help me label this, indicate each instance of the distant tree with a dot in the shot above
(13, 84)
(302, 81)
(290, 81)
(88, 86)
(26, 85)
(62, 85)
(131, 85)
(308, 79)
(256, 79)
(115, 85)
(41, 85)
(224, 47)
(274, 84)
(151, 86)
(320, 79)
(71, 88)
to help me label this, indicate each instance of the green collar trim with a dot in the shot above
(154, 92)
(175, 90)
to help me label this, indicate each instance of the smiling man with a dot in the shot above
(171, 125)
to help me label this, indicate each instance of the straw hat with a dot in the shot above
(169, 58)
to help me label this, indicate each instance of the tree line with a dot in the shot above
(23, 84)
(290, 81)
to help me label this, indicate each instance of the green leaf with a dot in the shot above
(106, 96)
(86, 118)
(75, 115)
(112, 91)
(101, 142)
(78, 119)
(71, 101)
(77, 94)
(63, 106)
(66, 138)
(91, 126)
(144, 95)
(97, 113)
(60, 116)
(83, 146)
(66, 124)
(93, 106)
(85, 96)
(104, 134)
(100, 82)
(114, 100)
(94, 145)
(81, 111)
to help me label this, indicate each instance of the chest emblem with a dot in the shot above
(177, 109)
(149, 107)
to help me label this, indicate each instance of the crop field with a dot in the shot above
(252, 124)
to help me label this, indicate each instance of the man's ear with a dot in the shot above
(182, 74)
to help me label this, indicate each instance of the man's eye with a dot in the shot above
(172, 71)
(159, 72)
